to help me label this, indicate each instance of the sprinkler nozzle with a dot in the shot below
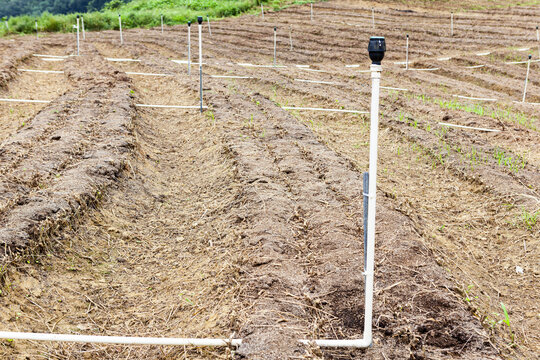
(376, 49)
(199, 20)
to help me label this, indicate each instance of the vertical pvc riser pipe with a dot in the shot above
(311, 11)
(120, 23)
(526, 78)
(407, 54)
(262, 11)
(200, 20)
(83, 31)
(161, 24)
(275, 39)
(78, 23)
(538, 40)
(7, 26)
(373, 16)
(366, 204)
(451, 24)
(290, 37)
(37, 32)
(377, 48)
(189, 47)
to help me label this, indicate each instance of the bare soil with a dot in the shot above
(246, 221)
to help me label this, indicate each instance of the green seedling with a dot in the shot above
(529, 219)
(506, 321)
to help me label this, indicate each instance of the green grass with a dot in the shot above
(143, 14)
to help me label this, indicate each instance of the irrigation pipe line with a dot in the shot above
(376, 50)
(26, 101)
(231, 77)
(522, 62)
(317, 82)
(51, 56)
(146, 74)
(431, 69)
(172, 106)
(474, 98)
(52, 59)
(122, 60)
(261, 66)
(41, 71)
(186, 62)
(322, 109)
(393, 88)
(468, 127)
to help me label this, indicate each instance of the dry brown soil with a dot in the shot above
(246, 220)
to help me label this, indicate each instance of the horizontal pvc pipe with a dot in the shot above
(52, 59)
(330, 110)
(364, 71)
(317, 82)
(469, 127)
(522, 62)
(231, 77)
(147, 74)
(171, 106)
(400, 62)
(51, 56)
(262, 66)
(474, 66)
(529, 103)
(186, 62)
(126, 340)
(352, 66)
(41, 71)
(131, 340)
(474, 98)
(313, 70)
(124, 60)
(26, 101)
(444, 58)
(432, 69)
(302, 66)
(523, 49)
(393, 88)
(483, 53)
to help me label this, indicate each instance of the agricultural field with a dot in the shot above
(245, 221)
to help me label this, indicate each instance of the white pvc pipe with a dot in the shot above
(119, 339)
(522, 62)
(262, 11)
(393, 88)
(209, 28)
(468, 127)
(317, 82)
(26, 101)
(185, 62)
(311, 10)
(170, 106)
(474, 98)
(146, 74)
(264, 66)
(444, 59)
(83, 31)
(483, 53)
(78, 21)
(526, 79)
(120, 23)
(37, 32)
(41, 71)
(523, 49)
(200, 65)
(189, 48)
(122, 60)
(407, 55)
(290, 37)
(7, 25)
(53, 59)
(51, 56)
(231, 77)
(474, 66)
(432, 69)
(321, 109)
(452, 24)
(538, 40)
(275, 44)
(162, 24)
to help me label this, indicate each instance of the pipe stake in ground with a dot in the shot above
(290, 37)
(376, 48)
(200, 20)
(83, 31)
(37, 32)
(7, 25)
(538, 40)
(311, 10)
(526, 78)
(209, 28)
(407, 54)
(275, 44)
(189, 47)
(120, 23)
(78, 24)
(451, 24)
(162, 23)
(262, 11)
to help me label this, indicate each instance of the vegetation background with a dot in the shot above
(59, 15)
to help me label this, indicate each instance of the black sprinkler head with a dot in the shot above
(199, 19)
(189, 23)
(275, 28)
(376, 48)
(530, 56)
(77, 16)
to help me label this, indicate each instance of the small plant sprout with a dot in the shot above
(506, 321)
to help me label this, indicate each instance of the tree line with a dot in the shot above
(36, 7)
